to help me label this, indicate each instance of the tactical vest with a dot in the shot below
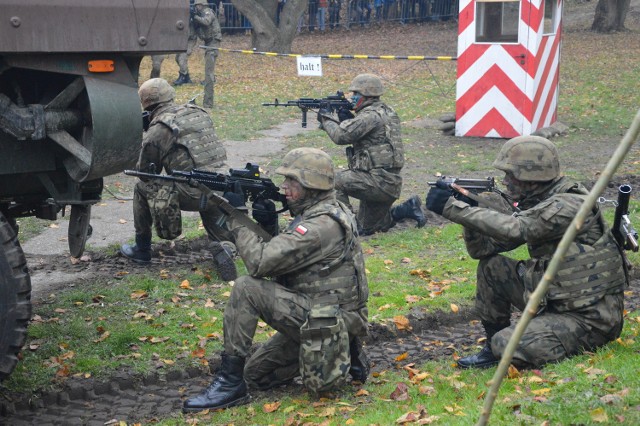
(339, 281)
(193, 130)
(587, 273)
(389, 154)
(205, 32)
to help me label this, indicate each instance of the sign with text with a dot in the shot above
(310, 66)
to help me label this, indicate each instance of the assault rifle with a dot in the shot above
(470, 188)
(253, 186)
(623, 230)
(332, 103)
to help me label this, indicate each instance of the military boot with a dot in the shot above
(223, 261)
(140, 252)
(182, 79)
(485, 358)
(227, 389)
(410, 209)
(360, 365)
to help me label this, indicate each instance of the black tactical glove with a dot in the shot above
(437, 198)
(323, 113)
(264, 212)
(441, 184)
(235, 198)
(345, 114)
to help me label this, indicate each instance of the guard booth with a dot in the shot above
(508, 67)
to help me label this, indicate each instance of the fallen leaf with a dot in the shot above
(362, 392)
(401, 392)
(271, 407)
(454, 308)
(388, 262)
(542, 391)
(401, 322)
(185, 285)
(402, 356)
(513, 372)
(406, 260)
(411, 298)
(122, 221)
(598, 415)
(139, 294)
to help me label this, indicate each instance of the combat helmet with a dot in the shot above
(529, 158)
(155, 91)
(367, 85)
(311, 167)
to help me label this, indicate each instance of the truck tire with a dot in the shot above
(15, 297)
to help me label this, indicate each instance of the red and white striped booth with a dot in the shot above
(508, 67)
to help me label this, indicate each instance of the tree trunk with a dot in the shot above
(265, 35)
(610, 16)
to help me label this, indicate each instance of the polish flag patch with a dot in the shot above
(301, 230)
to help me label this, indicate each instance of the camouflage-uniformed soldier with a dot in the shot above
(204, 26)
(316, 299)
(376, 157)
(179, 137)
(584, 304)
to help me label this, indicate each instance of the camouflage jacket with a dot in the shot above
(180, 137)
(207, 26)
(592, 266)
(375, 136)
(318, 255)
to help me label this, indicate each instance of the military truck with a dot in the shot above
(69, 116)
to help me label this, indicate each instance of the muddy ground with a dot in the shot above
(145, 399)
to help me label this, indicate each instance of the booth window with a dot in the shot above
(550, 14)
(497, 21)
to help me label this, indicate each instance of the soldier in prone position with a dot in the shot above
(316, 298)
(179, 137)
(584, 304)
(376, 157)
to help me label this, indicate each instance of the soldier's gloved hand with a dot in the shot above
(235, 197)
(264, 212)
(437, 198)
(345, 114)
(323, 113)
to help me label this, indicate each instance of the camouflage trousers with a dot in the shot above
(209, 67)
(277, 361)
(189, 200)
(252, 299)
(156, 65)
(376, 197)
(550, 336)
(182, 59)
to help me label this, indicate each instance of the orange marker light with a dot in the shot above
(101, 66)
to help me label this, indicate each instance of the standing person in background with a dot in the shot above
(322, 13)
(334, 13)
(313, 14)
(583, 308)
(281, 4)
(375, 155)
(182, 59)
(207, 28)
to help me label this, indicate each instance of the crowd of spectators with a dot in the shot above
(325, 15)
